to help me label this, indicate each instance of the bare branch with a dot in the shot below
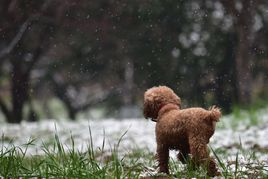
(16, 39)
(36, 57)
(60, 91)
(7, 50)
(95, 100)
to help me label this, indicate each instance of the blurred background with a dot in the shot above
(94, 59)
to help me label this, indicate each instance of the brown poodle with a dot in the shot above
(187, 130)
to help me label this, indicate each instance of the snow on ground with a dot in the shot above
(139, 133)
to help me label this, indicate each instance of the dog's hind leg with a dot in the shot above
(163, 157)
(201, 157)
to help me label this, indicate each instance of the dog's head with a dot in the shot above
(157, 97)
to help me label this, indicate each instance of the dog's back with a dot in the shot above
(174, 125)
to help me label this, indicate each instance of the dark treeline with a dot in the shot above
(107, 52)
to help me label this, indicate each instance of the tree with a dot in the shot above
(118, 50)
(243, 13)
(27, 33)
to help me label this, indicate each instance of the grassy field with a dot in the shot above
(60, 163)
(57, 161)
(139, 163)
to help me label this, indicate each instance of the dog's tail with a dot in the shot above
(215, 113)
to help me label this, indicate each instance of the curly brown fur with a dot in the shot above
(186, 130)
(155, 98)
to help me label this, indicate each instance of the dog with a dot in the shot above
(186, 130)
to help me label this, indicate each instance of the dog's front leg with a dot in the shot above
(163, 157)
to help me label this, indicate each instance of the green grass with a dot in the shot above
(251, 114)
(59, 162)
(243, 117)
(248, 167)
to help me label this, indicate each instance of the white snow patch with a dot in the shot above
(139, 134)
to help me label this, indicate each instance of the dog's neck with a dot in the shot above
(167, 107)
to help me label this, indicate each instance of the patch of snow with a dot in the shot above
(133, 134)
(139, 133)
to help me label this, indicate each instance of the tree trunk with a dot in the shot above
(20, 85)
(60, 90)
(243, 67)
(243, 23)
(129, 82)
(72, 113)
(243, 60)
(224, 90)
(5, 110)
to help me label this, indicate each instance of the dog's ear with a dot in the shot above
(149, 109)
(146, 106)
